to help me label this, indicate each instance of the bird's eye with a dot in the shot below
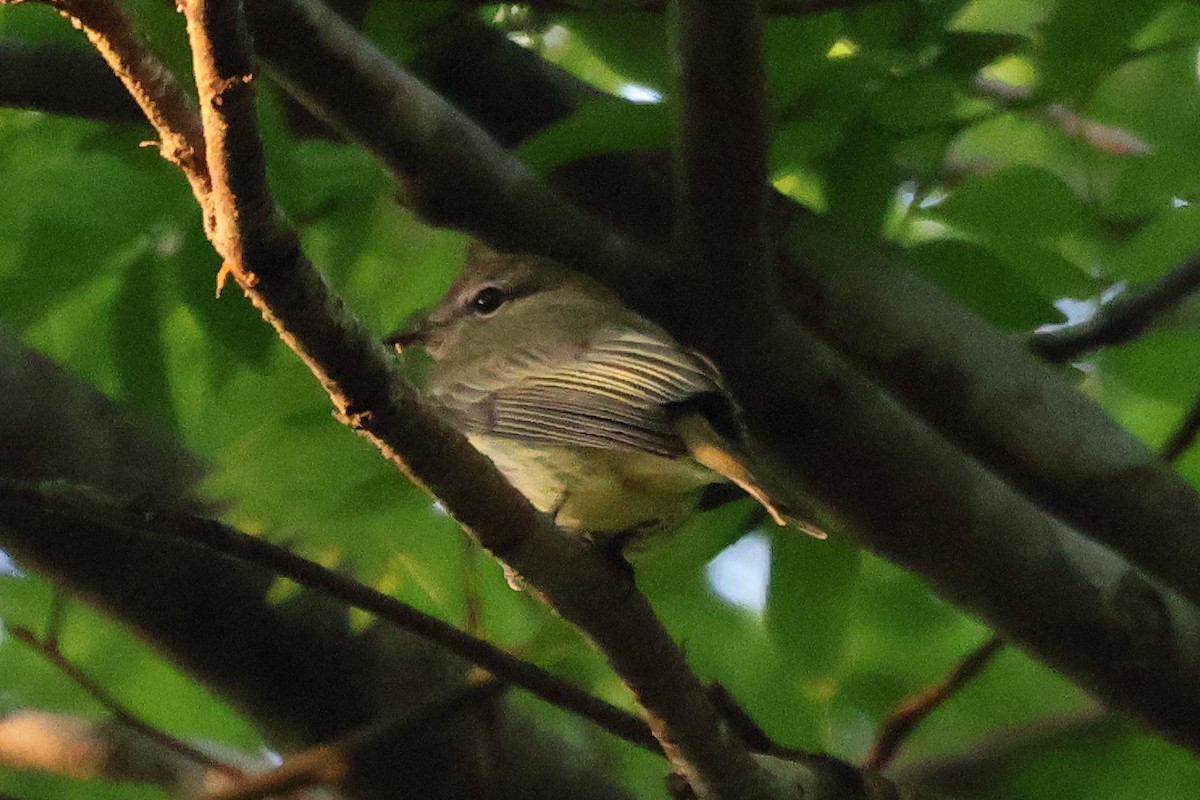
(487, 300)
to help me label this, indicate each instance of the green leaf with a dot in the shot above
(808, 606)
(632, 44)
(1160, 245)
(1083, 39)
(1161, 364)
(229, 321)
(136, 338)
(795, 55)
(921, 101)
(1165, 120)
(983, 282)
(1026, 201)
(602, 125)
(860, 177)
(1015, 17)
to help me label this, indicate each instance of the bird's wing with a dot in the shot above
(621, 392)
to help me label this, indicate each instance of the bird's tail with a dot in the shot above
(718, 454)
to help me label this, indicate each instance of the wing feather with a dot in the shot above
(614, 394)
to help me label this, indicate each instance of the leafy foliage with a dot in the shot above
(1015, 200)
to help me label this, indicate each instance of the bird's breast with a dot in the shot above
(598, 490)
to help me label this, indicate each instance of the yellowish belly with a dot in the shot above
(601, 491)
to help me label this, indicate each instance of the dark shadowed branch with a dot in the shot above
(63, 80)
(847, 442)
(1121, 319)
(265, 260)
(451, 172)
(1184, 435)
(782, 8)
(721, 170)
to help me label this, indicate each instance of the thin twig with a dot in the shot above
(1120, 320)
(594, 594)
(55, 657)
(329, 763)
(219, 538)
(912, 711)
(1184, 435)
(153, 87)
(534, 679)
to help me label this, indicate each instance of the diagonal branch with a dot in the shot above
(267, 263)
(451, 172)
(166, 106)
(983, 391)
(1122, 319)
(122, 715)
(920, 500)
(62, 80)
(916, 709)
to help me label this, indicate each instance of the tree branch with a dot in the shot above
(124, 717)
(982, 391)
(261, 654)
(719, 238)
(151, 85)
(979, 769)
(89, 508)
(914, 710)
(1184, 435)
(1120, 320)
(921, 501)
(63, 80)
(267, 263)
(780, 8)
(451, 172)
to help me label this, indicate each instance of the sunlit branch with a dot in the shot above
(153, 87)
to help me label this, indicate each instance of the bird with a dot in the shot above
(595, 413)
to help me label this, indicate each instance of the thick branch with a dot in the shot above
(63, 80)
(721, 166)
(261, 654)
(911, 495)
(593, 595)
(259, 553)
(983, 391)
(452, 173)
(959, 525)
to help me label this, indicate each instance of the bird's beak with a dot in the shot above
(414, 331)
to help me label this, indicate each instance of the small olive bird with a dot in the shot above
(597, 415)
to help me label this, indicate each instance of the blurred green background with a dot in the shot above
(1032, 158)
